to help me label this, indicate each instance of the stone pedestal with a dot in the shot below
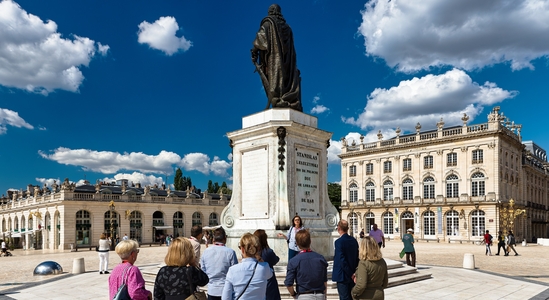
(279, 171)
(469, 261)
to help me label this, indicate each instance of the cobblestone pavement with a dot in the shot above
(530, 267)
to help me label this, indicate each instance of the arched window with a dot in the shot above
(452, 186)
(407, 189)
(388, 190)
(178, 223)
(429, 223)
(136, 226)
(213, 220)
(477, 185)
(353, 224)
(429, 188)
(452, 223)
(370, 192)
(23, 227)
(369, 220)
(111, 215)
(353, 193)
(478, 223)
(158, 218)
(15, 224)
(197, 218)
(388, 223)
(83, 225)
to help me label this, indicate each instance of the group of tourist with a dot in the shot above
(505, 242)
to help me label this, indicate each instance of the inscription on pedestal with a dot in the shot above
(255, 184)
(307, 183)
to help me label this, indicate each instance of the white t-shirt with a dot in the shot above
(3, 245)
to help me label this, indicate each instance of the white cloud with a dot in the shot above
(220, 167)
(319, 109)
(12, 118)
(48, 181)
(426, 100)
(316, 99)
(136, 177)
(103, 49)
(34, 56)
(412, 35)
(111, 162)
(160, 35)
(201, 162)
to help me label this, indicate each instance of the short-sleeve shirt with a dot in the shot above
(408, 241)
(377, 235)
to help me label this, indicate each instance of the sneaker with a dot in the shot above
(100, 272)
(497, 253)
(106, 272)
(506, 254)
(516, 254)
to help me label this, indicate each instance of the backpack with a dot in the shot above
(512, 240)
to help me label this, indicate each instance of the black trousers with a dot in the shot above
(502, 245)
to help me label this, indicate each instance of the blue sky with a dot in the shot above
(135, 89)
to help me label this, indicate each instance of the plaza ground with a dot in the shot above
(495, 277)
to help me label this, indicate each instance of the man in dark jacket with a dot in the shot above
(345, 261)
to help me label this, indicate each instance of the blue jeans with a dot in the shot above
(344, 290)
(291, 253)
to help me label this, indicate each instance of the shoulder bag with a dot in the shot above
(255, 267)
(122, 293)
(194, 294)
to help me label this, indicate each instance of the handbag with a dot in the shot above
(401, 254)
(194, 294)
(122, 293)
(248, 281)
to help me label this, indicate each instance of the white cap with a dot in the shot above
(410, 230)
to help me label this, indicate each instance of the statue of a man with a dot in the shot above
(274, 57)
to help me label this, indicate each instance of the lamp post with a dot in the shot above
(509, 214)
(111, 210)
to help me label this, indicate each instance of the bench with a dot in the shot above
(91, 247)
(429, 240)
(477, 241)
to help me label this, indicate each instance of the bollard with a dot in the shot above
(524, 244)
(469, 261)
(78, 266)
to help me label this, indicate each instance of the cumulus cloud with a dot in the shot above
(11, 118)
(111, 162)
(470, 34)
(426, 100)
(35, 57)
(201, 162)
(160, 35)
(318, 109)
(48, 181)
(136, 177)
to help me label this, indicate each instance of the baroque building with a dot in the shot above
(448, 184)
(66, 215)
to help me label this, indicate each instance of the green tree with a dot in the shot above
(216, 187)
(210, 187)
(178, 180)
(334, 193)
(186, 183)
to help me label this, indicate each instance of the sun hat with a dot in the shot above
(410, 229)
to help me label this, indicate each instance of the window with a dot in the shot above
(477, 185)
(388, 190)
(407, 189)
(136, 226)
(353, 224)
(429, 223)
(369, 220)
(477, 223)
(428, 162)
(369, 169)
(407, 164)
(451, 159)
(109, 216)
(478, 156)
(178, 223)
(452, 186)
(353, 193)
(429, 188)
(352, 171)
(197, 218)
(83, 226)
(452, 223)
(213, 220)
(388, 223)
(370, 192)
(387, 167)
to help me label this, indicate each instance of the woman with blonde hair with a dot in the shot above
(371, 276)
(103, 249)
(127, 273)
(248, 279)
(180, 276)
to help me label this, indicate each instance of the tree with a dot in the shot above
(178, 180)
(210, 187)
(216, 187)
(187, 183)
(334, 193)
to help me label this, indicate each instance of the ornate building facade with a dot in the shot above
(448, 184)
(66, 214)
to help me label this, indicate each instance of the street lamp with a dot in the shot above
(111, 211)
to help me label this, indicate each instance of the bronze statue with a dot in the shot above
(274, 57)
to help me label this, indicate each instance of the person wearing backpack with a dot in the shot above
(511, 242)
